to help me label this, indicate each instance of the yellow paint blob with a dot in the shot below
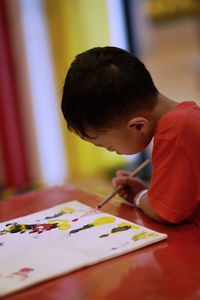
(58, 220)
(152, 234)
(143, 235)
(67, 210)
(63, 223)
(103, 220)
(64, 226)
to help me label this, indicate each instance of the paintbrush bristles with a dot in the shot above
(116, 190)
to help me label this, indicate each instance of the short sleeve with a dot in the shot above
(172, 193)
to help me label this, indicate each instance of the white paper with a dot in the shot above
(60, 240)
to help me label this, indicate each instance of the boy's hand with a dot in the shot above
(132, 185)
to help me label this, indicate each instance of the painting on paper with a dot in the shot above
(60, 240)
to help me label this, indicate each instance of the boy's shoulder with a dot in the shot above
(183, 118)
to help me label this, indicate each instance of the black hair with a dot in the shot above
(102, 85)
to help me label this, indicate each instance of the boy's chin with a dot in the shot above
(130, 152)
(126, 153)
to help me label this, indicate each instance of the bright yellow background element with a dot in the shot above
(75, 26)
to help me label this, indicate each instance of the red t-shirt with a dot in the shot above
(175, 186)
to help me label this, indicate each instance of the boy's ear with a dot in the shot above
(138, 124)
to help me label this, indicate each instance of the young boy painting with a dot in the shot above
(110, 100)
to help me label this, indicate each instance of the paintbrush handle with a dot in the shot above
(117, 189)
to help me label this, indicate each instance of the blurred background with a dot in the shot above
(38, 41)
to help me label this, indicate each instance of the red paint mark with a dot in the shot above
(74, 220)
(23, 273)
(104, 235)
(42, 227)
(27, 270)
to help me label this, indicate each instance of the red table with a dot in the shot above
(166, 270)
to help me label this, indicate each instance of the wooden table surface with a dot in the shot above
(166, 270)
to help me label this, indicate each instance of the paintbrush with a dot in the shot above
(117, 189)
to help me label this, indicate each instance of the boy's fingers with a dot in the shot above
(122, 173)
(122, 193)
(126, 180)
(118, 180)
(123, 180)
(114, 183)
(126, 196)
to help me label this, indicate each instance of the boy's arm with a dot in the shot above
(143, 204)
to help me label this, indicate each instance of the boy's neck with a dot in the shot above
(163, 106)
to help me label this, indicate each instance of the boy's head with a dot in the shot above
(104, 89)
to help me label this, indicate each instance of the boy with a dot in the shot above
(110, 100)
